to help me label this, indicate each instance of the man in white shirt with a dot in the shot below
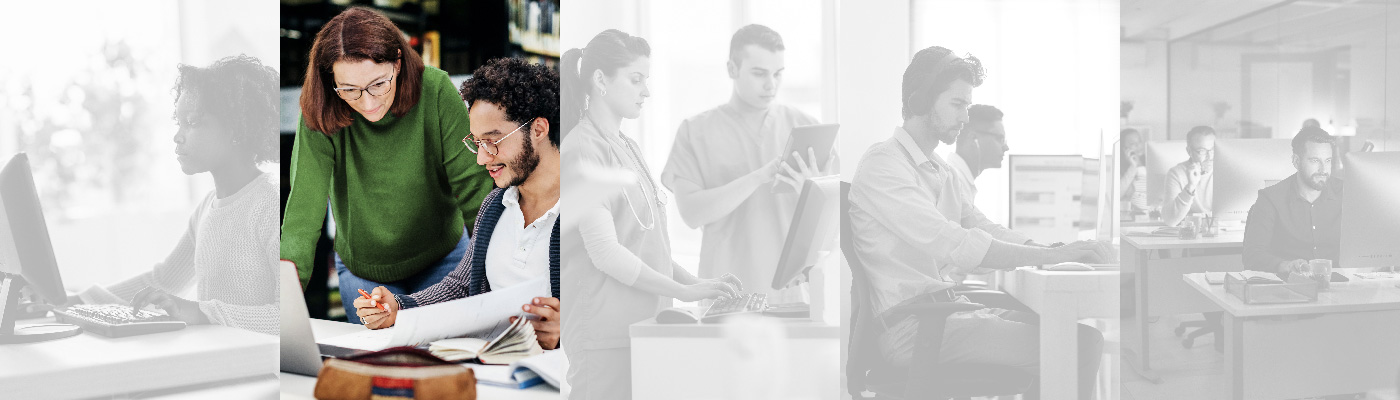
(1190, 184)
(516, 237)
(909, 221)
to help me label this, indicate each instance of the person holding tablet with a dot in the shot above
(725, 162)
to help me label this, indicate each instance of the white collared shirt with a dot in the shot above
(909, 222)
(518, 252)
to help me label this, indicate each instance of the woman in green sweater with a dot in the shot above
(380, 137)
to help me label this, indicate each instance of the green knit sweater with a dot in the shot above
(401, 189)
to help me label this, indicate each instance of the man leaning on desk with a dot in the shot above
(1299, 218)
(514, 109)
(909, 220)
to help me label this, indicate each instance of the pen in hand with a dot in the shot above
(365, 294)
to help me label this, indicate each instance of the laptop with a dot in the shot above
(300, 353)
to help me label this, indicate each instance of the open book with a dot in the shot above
(515, 343)
(543, 368)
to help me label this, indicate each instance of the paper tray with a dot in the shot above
(1270, 293)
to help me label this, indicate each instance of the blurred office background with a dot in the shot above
(1259, 68)
(86, 91)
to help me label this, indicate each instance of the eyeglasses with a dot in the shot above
(490, 147)
(375, 89)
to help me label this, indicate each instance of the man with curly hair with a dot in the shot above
(514, 109)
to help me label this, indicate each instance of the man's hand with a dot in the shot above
(370, 314)
(806, 169)
(547, 327)
(1193, 176)
(178, 308)
(1088, 252)
(1296, 267)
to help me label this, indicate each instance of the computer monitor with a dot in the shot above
(26, 256)
(1370, 210)
(1242, 168)
(811, 229)
(1161, 156)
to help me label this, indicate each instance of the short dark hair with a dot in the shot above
(754, 34)
(356, 34)
(930, 74)
(980, 114)
(1199, 131)
(1311, 134)
(242, 94)
(524, 90)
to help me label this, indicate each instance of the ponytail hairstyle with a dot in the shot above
(610, 50)
(356, 34)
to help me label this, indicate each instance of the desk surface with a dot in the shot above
(296, 386)
(196, 355)
(1355, 296)
(796, 328)
(1226, 239)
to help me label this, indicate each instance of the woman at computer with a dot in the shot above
(226, 117)
(379, 136)
(617, 256)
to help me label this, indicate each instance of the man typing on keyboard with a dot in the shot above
(909, 220)
(516, 235)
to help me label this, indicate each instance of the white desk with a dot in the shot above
(1347, 341)
(1157, 286)
(1062, 299)
(296, 386)
(788, 359)
(89, 365)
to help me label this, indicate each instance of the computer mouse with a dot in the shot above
(676, 315)
(1070, 266)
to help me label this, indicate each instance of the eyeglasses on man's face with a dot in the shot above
(475, 146)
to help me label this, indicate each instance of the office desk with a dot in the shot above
(1157, 286)
(1062, 299)
(1347, 341)
(771, 358)
(90, 365)
(295, 386)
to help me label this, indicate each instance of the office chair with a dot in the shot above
(925, 377)
(1210, 325)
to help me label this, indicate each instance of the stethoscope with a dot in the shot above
(640, 168)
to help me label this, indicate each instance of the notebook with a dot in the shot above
(515, 343)
(548, 367)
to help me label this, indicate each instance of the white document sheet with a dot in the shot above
(484, 316)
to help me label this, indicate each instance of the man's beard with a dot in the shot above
(524, 164)
(947, 135)
(1317, 181)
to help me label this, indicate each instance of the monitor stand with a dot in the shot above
(11, 311)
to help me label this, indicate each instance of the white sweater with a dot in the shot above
(230, 252)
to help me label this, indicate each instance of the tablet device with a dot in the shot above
(820, 138)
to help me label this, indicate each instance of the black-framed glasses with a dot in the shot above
(490, 147)
(376, 89)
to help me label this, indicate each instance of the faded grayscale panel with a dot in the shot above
(1263, 265)
(139, 193)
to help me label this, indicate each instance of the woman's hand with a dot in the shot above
(371, 315)
(708, 289)
(547, 327)
(178, 308)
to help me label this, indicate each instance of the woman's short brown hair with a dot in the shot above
(357, 34)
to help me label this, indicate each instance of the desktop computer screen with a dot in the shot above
(811, 229)
(25, 248)
(1242, 168)
(1161, 156)
(1371, 210)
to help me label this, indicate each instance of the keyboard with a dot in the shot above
(748, 303)
(115, 320)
